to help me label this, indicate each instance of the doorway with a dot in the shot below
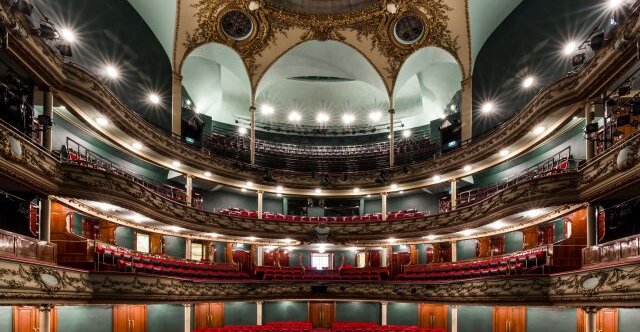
(322, 314)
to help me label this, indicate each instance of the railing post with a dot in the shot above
(392, 148)
(260, 200)
(383, 205)
(189, 190)
(454, 193)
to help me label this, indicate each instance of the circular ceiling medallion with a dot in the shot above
(408, 29)
(236, 25)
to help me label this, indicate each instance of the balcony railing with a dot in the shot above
(20, 246)
(614, 251)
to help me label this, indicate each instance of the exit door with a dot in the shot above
(322, 314)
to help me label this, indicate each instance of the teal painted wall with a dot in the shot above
(559, 230)
(6, 318)
(402, 313)
(224, 199)
(349, 258)
(165, 317)
(85, 318)
(400, 248)
(221, 252)
(174, 246)
(513, 242)
(372, 205)
(418, 199)
(358, 312)
(240, 313)
(551, 319)
(125, 237)
(475, 318)
(466, 249)
(272, 204)
(294, 258)
(422, 252)
(628, 320)
(284, 311)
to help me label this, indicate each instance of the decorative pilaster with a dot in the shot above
(454, 251)
(392, 149)
(260, 200)
(590, 314)
(187, 250)
(189, 190)
(260, 255)
(48, 112)
(384, 256)
(258, 313)
(466, 108)
(383, 312)
(592, 226)
(454, 193)
(45, 219)
(187, 317)
(454, 318)
(383, 204)
(44, 312)
(176, 104)
(252, 143)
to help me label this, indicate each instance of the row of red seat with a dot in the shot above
(127, 261)
(299, 273)
(508, 265)
(374, 217)
(373, 327)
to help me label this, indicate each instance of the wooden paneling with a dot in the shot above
(509, 319)
(130, 318)
(432, 315)
(530, 237)
(155, 244)
(25, 319)
(208, 315)
(322, 314)
(107, 232)
(484, 245)
(568, 253)
(607, 320)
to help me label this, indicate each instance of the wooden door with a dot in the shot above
(129, 318)
(607, 320)
(217, 314)
(509, 319)
(25, 319)
(398, 260)
(497, 246)
(208, 315)
(322, 314)
(243, 258)
(548, 234)
(432, 315)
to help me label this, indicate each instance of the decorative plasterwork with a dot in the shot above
(369, 30)
(26, 283)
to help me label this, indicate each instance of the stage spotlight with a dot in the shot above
(597, 41)
(578, 59)
(4, 36)
(23, 6)
(47, 31)
(65, 50)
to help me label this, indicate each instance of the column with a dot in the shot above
(391, 138)
(189, 190)
(260, 255)
(454, 318)
(454, 251)
(44, 318)
(260, 199)
(589, 117)
(47, 111)
(383, 204)
(466, 109)
(187, 251)
(383, 256)
(383, 312)
(176, 104)
(45, 219)
(252, 143)
(590, 314)
(187, 317)
(592, 226)
(454, 193)
(258, 313)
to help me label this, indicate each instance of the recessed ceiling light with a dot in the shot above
(251, 238)
(214, 234)
(207, 174)
(154, 98)
(467, 168)
(406, 133)
(391, 240)
(528, 82)
(295, 117)
(102, 121)
(348, 118)
(570, 48)
(176, 229)
(279, 189)
(539, 130)
(242, 131)
(394, 186)
(353, 249)
(318, 190)
(368, 195)
(68, 35)
(430, 237)
(176, 163)
(356, 190)
(136, 217)
(279, 194)
(504, 152)
(249, 184)
(533, 213)
(497, 225)
(401, 192)
(111, 71)
(266, 109)
(375, 116)
(437, 178)
(243, 190)
(323, 117)
(488, 107)
(466, 232)
(452, 107)
(615, 3)
(136, 145)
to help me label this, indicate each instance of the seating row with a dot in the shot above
(508, 265)
(127, 261)
(373, 327)
(374, 217)
(299, 273)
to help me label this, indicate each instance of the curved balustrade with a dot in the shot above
(78, 86)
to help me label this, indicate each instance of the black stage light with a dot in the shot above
(4, 37)
(45, 120)
(636, 108)
(624, 90)
(65, 50)
(597, 41)
(591, 128)
(47, 31)
(610, 102)
(578, 59)
(24, 6)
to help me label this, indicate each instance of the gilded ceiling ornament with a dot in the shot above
(420, 24)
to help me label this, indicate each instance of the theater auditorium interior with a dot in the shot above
(327, 165)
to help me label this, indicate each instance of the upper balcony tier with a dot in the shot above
(88, 97)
